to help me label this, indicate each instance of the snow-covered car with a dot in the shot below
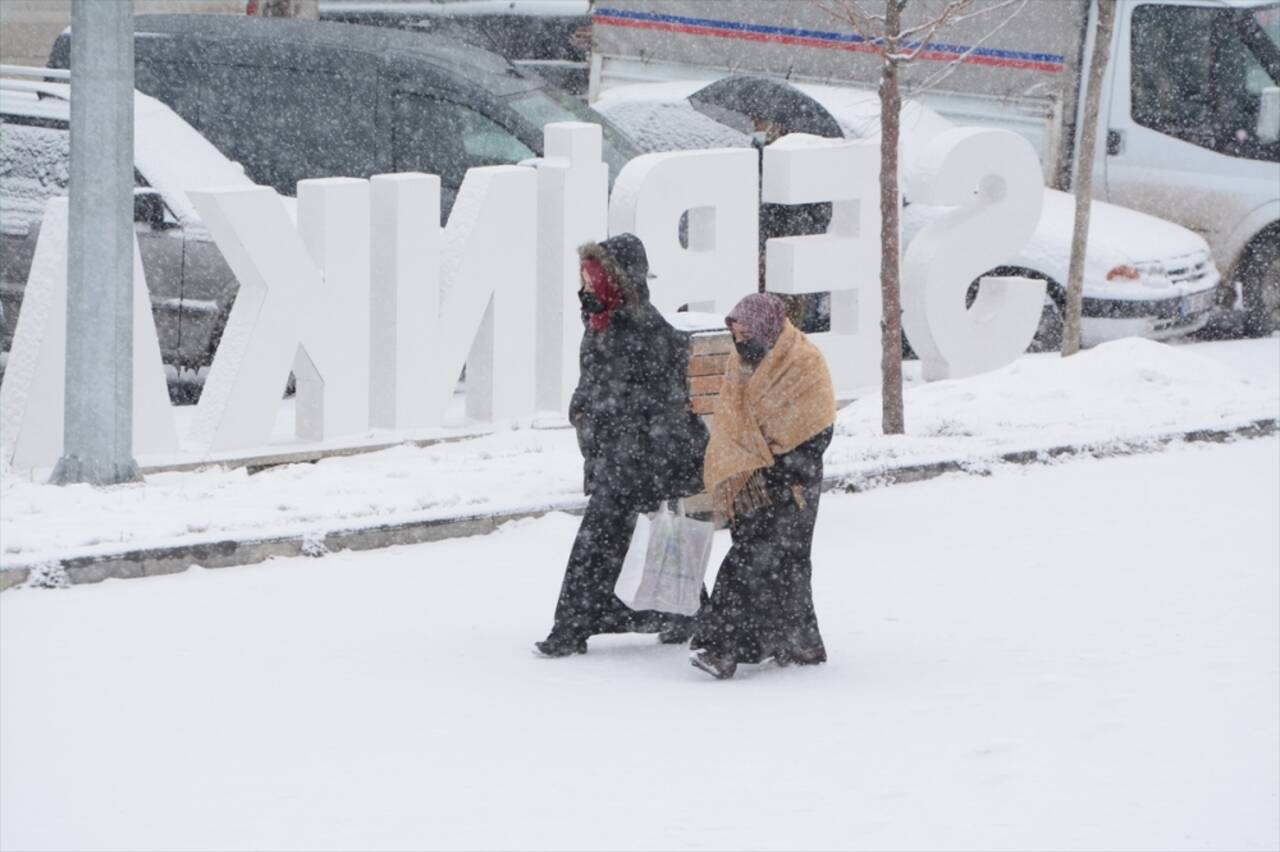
(295, 99)
(190, 283)
(549, 37)
(1143, 276)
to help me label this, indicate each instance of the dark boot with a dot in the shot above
(806, 657)
(721, 668)
(678, 631)
(556, 646)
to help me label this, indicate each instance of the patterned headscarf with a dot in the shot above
(606, 290)
(763, 314)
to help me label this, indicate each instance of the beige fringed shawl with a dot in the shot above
(763, 413)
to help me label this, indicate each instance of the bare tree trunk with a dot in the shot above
(1084, 176)
(892, 417)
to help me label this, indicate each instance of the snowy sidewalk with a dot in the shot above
(1119, 394)
(1072, 656)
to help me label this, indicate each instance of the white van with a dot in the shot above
(1190, 128)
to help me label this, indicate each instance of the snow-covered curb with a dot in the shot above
(1121, 394)
(210, 552)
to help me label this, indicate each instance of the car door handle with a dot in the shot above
(1115, 142)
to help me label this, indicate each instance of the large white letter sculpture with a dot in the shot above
(31, 399)
(377, 309)
(573, 205)
(461, 295)
(332, 364)
(802, 169)
(718, 189)
(302, 303)
(404, 310)
(488, 297)
(994, 179)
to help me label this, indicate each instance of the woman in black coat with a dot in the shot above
(640, 440)
(774, 418)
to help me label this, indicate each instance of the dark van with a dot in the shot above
(296, 99)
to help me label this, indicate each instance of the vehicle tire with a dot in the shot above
(1053, 316)
(1260, 285)
(1052, 323)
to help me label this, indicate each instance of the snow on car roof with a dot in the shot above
(669, 125)
(458, 7)
(338, 47)
(172, 155)
(857, 111)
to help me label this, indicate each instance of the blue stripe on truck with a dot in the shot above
(989, 56)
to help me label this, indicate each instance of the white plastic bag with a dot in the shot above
(666, 562)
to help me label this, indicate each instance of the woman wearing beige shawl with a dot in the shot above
(763, 470)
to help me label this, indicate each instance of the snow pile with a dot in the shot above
(1128, 390)
(1125, 390)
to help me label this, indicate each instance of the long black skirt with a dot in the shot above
(587, 604)
(762, 604)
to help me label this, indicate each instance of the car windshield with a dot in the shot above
(545, 106)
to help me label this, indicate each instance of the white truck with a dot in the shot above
(1189, 127)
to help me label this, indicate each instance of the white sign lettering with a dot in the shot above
(573, 202)
(31, 398)
(377, 309)
(845, 260)
(404, 310)
(992, 178)
(717, 188)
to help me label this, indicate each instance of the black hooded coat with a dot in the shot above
(641, 443)
(636, 427)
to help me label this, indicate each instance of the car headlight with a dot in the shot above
(1152, 273)
(1124, 272)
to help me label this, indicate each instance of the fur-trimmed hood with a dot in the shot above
(623, 257)
(639, 437)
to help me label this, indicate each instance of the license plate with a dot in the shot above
(1194, 304)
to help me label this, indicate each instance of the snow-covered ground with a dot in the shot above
(1080, 655)
(1119, 391)
(1122, 391)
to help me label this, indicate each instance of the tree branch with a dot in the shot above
(942, 18)
(951, 66)
(862, 23)
(951, 8)
(977, 13)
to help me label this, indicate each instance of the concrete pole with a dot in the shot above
(98, 430)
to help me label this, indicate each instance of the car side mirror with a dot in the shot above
(1269, 114)
(148, 208)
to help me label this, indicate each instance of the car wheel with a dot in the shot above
(1260, 286)
(1052, 317)
(1052, 326)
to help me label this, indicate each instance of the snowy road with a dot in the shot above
(1080, 656)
